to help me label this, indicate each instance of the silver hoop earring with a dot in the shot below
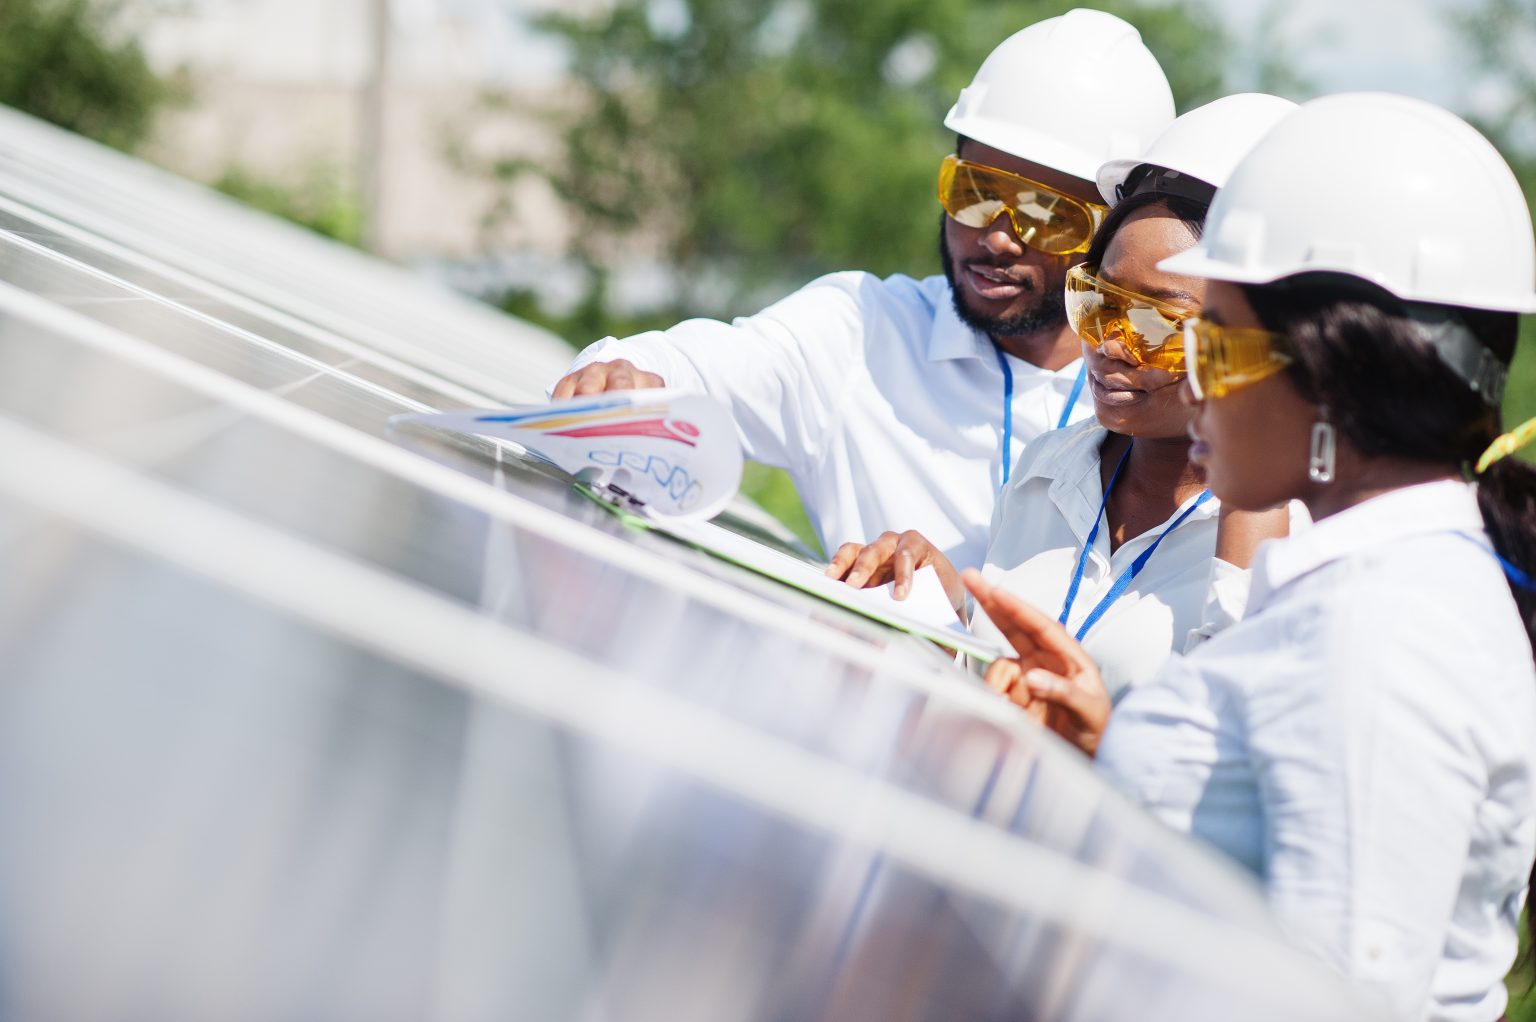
(1320, 462)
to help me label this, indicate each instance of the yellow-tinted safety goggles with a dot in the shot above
(1049, 221)
(1151, 331)
(1223, 359)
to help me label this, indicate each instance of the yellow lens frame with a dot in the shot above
(1090, 323)
(1223, 359)
(1032, 229)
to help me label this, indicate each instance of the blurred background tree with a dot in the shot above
(318, 197)
(77, 64)
(752, 147)
(749, 148)
(1500, 36)
(69, 62)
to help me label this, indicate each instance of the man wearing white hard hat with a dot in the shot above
(902, 403)
(1106, 520)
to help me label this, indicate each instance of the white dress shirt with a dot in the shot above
(886, 409)
(1043, 518)
(1364, 740)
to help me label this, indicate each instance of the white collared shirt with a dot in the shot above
(1364, 741)
(1181, 595)
(884, 407)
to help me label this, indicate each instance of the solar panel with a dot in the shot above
(171, 222)
(308, 717)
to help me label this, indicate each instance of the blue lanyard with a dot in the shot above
(1002, 361)
(1517, 577)
(1066, 412)
(1122, 583)
(1077, 390)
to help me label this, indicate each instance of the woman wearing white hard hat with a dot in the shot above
(1106, 521)
(1365, 739)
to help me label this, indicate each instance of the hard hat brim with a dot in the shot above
(1112, 175)
(1197, 262)
(1026, 144)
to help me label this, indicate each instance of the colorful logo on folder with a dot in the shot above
(678, 455)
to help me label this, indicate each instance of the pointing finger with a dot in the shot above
(1027, 629)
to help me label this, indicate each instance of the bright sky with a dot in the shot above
(1406, 46)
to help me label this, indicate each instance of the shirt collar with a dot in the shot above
(952, 339)
(1076, 485)
(1074, 458)
(1444, 506)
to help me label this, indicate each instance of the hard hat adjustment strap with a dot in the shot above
(1164, 182)
(1435, 324)
(1458, 347)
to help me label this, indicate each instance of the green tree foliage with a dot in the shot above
(1501, 35)
(62, 60)
(319, 199)
(1501, 38)
(1267, 60)
(758, 145)
(753, 146)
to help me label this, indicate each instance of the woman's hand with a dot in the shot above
(895, 557)
(1052, 678)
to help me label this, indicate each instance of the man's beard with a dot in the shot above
(1048, 313)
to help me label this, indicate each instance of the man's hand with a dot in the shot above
(1052, 678)
(601, 376)
(895, 557)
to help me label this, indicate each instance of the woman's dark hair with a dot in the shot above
(1187, 210)
(1360, 354)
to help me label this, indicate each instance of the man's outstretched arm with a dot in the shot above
(781, 372)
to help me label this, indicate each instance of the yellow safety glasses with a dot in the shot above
(1049, 221)
(1223, 359)
(1151, 331)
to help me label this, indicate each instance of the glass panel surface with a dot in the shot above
(304, 716)
(256, 820)
(300, 273)
(126, 294)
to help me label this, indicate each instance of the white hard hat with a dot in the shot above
(1204, 144)
(1388, 189)
(1069, 92)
